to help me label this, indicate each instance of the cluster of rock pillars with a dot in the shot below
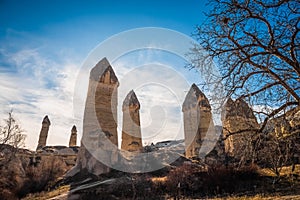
(100, 122)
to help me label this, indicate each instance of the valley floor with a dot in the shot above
(282, 190)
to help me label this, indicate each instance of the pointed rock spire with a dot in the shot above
(237, 108)
(44, 133)
(131, 131)
(99, 136)
(131, 100)
(195, 97)
(104, 73)
(46, 120)
(197, 119)
(74, 129)
(73, 137)
(238, 116)
(229, 102)
(244, 108)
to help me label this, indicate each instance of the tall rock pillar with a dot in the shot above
(197, 119)
(44, 132)
(106, 99)
(73, 138)
(237, 117)
(99, 143)
(131, 132)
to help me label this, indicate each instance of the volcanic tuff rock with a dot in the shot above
(284, 131)
(131, 132)
(73, 138)
(238, 116)
(44, 132)
(99, 141)
(197, 120)
(285, 124)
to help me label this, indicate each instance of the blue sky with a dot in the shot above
(69, 24)
(45, 43)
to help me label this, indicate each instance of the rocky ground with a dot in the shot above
(147, 186)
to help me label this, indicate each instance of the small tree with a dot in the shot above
(11, 133)
(276, 152)
(11, 138)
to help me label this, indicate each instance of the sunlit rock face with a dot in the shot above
(197, 119)
(73, 138)
(238, 116)
(131, 131)
(44, 133)
(285, 124)
(99, 142)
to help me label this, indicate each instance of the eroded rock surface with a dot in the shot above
(131, 132)
(197, 119)
(44, 133)
(237, 117)
(73, 137)
(99, 142)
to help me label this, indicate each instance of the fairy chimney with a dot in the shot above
(131, 132)
(44, 132)
(197, 119)
(99, 143)
(73, 138)
(237, 117)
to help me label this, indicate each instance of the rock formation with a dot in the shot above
(44, 132)
(197, 119)
(99, 143)
(217, 155)
(238, 116)
(131, 132)
(285, 124)
(73, 138)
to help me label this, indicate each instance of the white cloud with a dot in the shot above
(37, 87)
(40, 86)
(160, 88)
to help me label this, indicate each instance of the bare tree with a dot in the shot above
(11, 138)
(255, 44)
(11, 133)
(277, 152)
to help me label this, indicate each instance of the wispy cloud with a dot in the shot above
(38, 86)
(160, 89)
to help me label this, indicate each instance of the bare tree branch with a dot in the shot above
(256, 46)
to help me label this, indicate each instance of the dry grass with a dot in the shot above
(159, 187)
(159, 179)
(260, 197)
(47, 195)
(285, 171)
(288, 170)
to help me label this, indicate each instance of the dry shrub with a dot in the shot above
(11, 179)
(182, 180)
(7, 195)
(44, 175)
(222, 180)
(188, 180)
(137, 186)
(132, 186)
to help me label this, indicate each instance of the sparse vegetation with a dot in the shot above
(12, 137)
(47, 195)
(11, 132)
(44, 176)
(19, 178)
(188, 180)
(214, 183)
